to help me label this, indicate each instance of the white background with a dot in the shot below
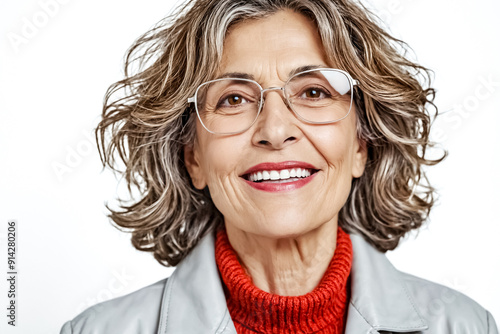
(51, 90)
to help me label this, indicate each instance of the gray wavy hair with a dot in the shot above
(146, 122)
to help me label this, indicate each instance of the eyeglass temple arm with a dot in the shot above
(191, 99)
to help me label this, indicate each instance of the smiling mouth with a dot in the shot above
(280, 176)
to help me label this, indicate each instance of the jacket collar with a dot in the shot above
(379, 297)
(194, 300)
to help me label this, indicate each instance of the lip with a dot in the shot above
(280, 187)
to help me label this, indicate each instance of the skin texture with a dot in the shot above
(284, 240)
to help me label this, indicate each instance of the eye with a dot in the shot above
(314, 93)
(235, 99)
(232, 101)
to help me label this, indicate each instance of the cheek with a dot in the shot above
(336, 145)
(338, 179)
(221, 159)
(216, 163)
(223, 182)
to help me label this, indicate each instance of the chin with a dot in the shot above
(285, 228)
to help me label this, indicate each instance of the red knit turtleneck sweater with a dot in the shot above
(255, 311)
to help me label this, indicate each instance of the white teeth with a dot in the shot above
(274, 175)
(283, 174)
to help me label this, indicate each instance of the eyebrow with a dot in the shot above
(240, 75)
(305, 68)
(243, 75)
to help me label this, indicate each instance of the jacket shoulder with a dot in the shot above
(446, 310)
(137, 312)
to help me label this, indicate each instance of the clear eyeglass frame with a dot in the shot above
(352, 83)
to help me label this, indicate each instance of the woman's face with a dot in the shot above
(268, 50)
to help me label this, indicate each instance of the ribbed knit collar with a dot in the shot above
(255, 311)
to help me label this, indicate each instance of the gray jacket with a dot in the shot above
(191, 301)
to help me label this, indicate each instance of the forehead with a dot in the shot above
(272, 46)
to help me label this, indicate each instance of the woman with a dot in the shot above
(278, 148)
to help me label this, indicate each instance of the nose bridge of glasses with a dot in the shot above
(281, 89)
(273, 88)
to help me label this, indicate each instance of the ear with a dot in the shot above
(192, 162)
(359, 158)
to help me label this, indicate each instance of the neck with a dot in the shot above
(291, 266)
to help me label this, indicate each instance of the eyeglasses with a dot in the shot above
(231, 105)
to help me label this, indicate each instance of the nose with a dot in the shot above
(277, 126)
